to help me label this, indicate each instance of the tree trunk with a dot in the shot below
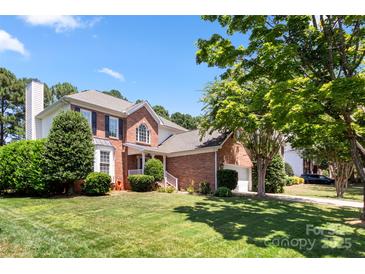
(342, 171)
(356, 158)
(261, 175)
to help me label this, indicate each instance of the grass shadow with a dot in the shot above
(267, 223)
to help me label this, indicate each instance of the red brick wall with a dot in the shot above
(120, 156)
(135, 119)
(233, 153)
(193, 169)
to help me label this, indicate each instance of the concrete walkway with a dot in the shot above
(304, 199)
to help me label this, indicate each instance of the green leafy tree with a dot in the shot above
(116, 93)
(11, 107)
(317, 59)
(242, 109)
(185, 120)
(69, 154)
(275, 177)
(161, 111)
(61, 89)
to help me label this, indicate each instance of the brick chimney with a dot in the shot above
(34, 98)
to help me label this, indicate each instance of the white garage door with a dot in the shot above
(243, 177)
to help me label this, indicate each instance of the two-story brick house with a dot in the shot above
(126, 134)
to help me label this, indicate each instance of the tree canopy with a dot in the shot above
(314, 62)
(61, 89)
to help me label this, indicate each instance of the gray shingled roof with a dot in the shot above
(103, 142)
(110, 102)
(103, 100)
(190, 141)
(169, 123)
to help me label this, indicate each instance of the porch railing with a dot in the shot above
(171, 180)
(135, 171)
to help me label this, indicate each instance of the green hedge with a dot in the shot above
(227, 178)
(141, 183)
(154, 167)
(288, 169)
(223, 192)
(275, 176)
(96, 183)
(21, 167)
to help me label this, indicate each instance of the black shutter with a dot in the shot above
(120, 129)
(106, 126)
(76, 108)
(93, 122)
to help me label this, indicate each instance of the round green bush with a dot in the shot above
(141, 183)
(223, 192)
(21, 167)
(204, 188)
(227, 178)
(275, 176)
(154, 167)
(288, 169)
(96, 183)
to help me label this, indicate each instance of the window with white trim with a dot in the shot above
(113, 127)
(104, 161)
(143, 134)
(87, 114)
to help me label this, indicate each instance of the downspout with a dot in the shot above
(215, 170)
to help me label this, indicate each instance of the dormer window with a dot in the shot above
(142, 134)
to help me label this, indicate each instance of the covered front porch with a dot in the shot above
(138, 155)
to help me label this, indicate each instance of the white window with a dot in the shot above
(113, 127)
(86, 114)
(143, 134)
(104, 161)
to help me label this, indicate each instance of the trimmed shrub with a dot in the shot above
(190, 189)
(141, 183)
(96, 183)
(168, 189)
(21, 167)
(275, 176)
(69, 154)
(289, 181)
(204, 188)
(227, 178)
(154, 167)
(288, 169)
(223, 192)
(293, 180)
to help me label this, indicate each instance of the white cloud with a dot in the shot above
(112, 73)
(60, 23)
(8, 42)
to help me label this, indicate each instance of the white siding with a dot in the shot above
(164, 133)
(34, 97)
(47, 121)
(293, 158)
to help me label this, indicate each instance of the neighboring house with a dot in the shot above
(292, 157)
(126, 135)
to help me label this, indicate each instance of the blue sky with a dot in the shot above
(146, 57)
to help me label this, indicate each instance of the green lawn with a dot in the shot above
(172, 225)
(324, 191)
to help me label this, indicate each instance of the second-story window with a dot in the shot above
(86, 114)
(143, 134)
(113, 127)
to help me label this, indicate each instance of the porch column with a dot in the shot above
(143, 161)
(153, 156)
(164, 168)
